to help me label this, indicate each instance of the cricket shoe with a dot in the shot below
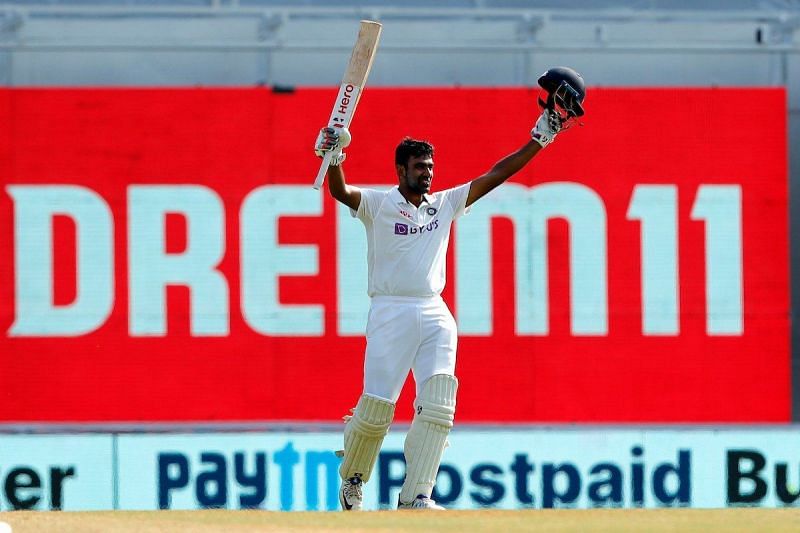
(420, 502)
(351, 494)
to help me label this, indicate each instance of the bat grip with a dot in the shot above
(323, 169)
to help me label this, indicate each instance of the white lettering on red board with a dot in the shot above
(263, 260)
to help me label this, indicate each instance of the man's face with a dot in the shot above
(418, 174)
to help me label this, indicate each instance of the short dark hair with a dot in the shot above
(409, 148)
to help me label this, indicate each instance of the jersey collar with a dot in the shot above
(400, 199)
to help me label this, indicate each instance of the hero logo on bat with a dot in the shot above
(344, 103)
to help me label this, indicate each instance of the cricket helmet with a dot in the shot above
(565, 91)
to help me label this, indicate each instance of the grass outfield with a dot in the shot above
(760, 520)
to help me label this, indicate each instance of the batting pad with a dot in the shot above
(363, 436)
(427, 437)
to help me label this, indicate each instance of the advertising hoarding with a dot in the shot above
(168, 260)
(711, 467)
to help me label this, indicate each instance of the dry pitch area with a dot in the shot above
(683, 520)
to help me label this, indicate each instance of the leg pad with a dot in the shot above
(363, 436)
(427, 438)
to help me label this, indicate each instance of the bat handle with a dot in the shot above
(323, 169)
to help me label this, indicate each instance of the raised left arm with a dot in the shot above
(542, 134)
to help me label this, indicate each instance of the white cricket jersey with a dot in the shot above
(407, 245)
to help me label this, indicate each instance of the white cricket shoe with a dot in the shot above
(420, 502)
(351, 494)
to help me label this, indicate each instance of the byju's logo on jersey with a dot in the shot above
(405, 229)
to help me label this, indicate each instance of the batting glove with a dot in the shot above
(332, 140)
(546, 128)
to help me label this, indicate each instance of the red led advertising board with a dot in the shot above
(166, 258)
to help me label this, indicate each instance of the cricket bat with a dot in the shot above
(355, 77)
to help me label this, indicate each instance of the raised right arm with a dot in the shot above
(333, 140)
(341, 191)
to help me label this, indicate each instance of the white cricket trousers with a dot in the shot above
(407, 333)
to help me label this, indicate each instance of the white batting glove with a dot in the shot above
(332, 140)
(546, 128)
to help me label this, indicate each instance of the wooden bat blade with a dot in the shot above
(355, 76)
(363, 53)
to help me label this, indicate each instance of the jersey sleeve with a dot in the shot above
(457, 198)
(368, 207)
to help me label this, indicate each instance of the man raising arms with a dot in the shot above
(410, 327)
